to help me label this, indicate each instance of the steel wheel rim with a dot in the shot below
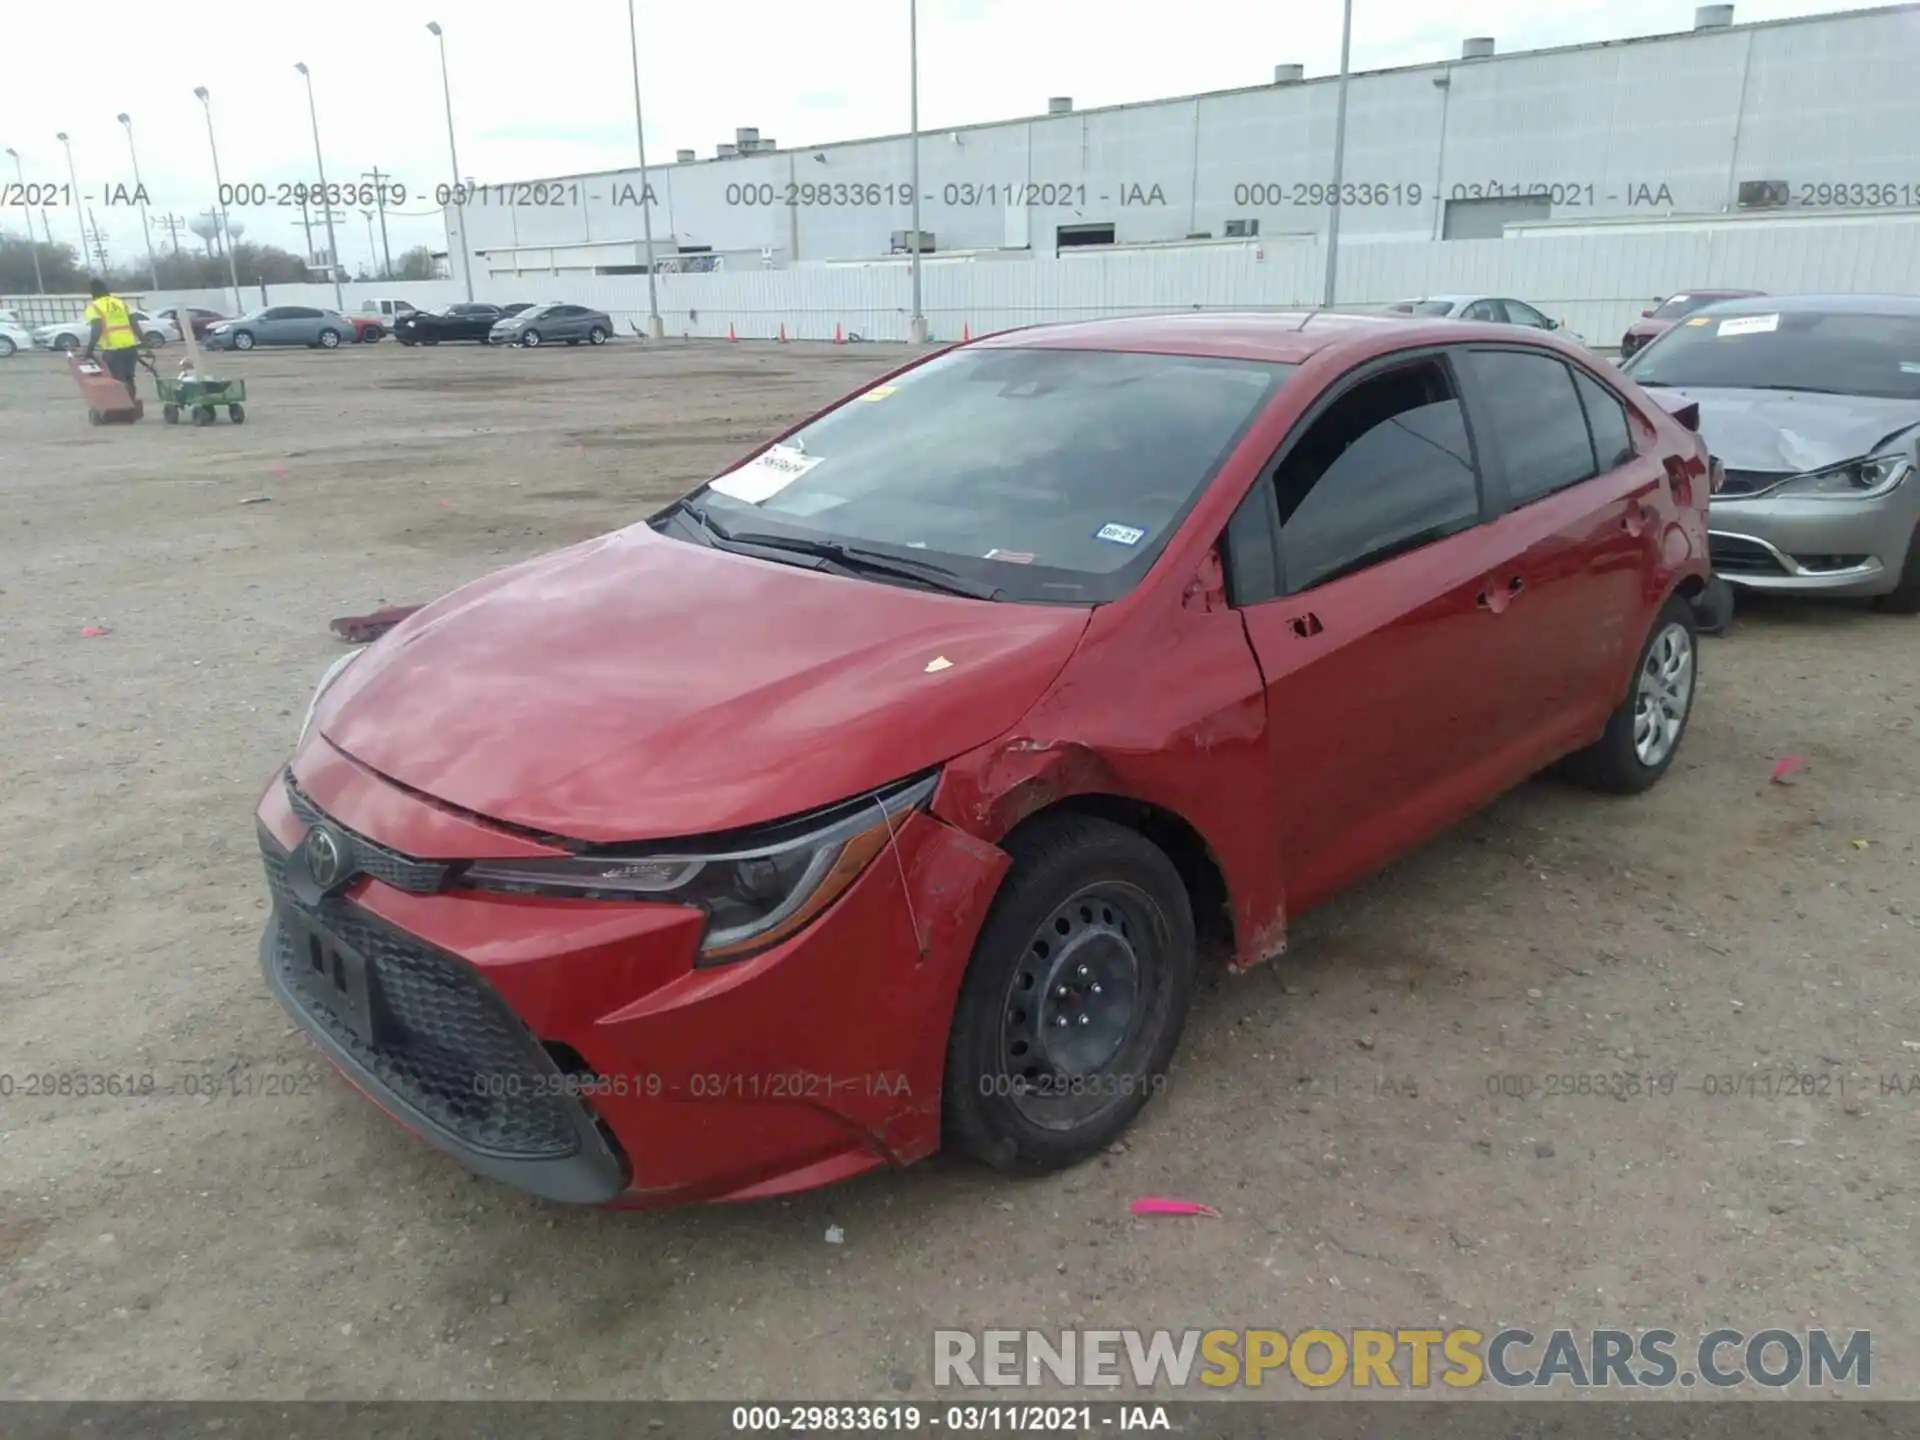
(1663, 694)
(1076, 1005)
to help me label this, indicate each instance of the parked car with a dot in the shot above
(202, 320)
(14, 337)
(515, 309)
(1494, 308)
(367, 329)
(830, 811)
(387, 311)
(543, 324)
(282, 325)
(1812, 404)
(1670, 312)
(72, 334)
(456, 322)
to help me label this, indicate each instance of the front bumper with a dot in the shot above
(1815, 547)
(571, 1048)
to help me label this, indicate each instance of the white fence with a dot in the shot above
(1597, 283)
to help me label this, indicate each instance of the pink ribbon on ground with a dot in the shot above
(1157, 1205)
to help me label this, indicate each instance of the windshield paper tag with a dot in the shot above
(765, 475)
(1120, 534)
(1749, 325)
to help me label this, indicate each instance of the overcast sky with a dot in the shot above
(546, 88)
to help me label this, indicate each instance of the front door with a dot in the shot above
(1380, 726)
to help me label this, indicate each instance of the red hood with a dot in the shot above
(635, 687)
(1648, 329)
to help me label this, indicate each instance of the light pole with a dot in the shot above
(372, 249)
(655, 326)
(39, 280)
(79, 214)
(220, 197)
(455, 191)
(153, 266)
(1339, 155)
(326, 200)
(919, 326)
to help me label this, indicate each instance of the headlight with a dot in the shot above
(333, 674)
(755, 893)
(1856, 480)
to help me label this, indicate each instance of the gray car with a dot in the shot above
(1487, 309)
(1812, 405)
(282, 325)
(545, 324)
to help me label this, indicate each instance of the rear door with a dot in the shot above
(572, 322)
(1575, 474)
(1372, 642)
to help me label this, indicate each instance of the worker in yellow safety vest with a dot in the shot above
(110, 329)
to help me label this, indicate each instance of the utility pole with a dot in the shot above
(372, 253)
(918, 327)
(140, 189)
(320, 164)
(306, 228)
(33, 244)
(380, 204)
(173, 225)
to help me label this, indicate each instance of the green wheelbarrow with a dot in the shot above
(200, 397)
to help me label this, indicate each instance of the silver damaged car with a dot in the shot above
(1811, 403)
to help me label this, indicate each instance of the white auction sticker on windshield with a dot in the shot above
(765, 475)
(1748, 325)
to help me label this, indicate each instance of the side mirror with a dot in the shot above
(1553, 324)
(1646, 314)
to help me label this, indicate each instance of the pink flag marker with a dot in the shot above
(1788, 767)
(1158, 1205)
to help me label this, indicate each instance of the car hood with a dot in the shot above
(1790, 431)
(636, 687)
(1647, 329)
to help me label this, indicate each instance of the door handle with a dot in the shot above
(1497, 597)
(1306, 626)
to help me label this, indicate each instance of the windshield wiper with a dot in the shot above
(856, 560)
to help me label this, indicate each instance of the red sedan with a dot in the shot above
(1654, 323)
(887, 790)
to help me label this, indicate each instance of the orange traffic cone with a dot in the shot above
(783, 332)
(730, 335)
(966, 332)
(838, 338)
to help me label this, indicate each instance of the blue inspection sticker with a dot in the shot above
(1120, 534)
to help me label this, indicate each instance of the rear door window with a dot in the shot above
(1606, 422)
(1537, 420)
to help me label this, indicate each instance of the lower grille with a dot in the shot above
(449, 1046)
(1734, 556)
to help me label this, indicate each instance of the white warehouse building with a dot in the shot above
(1770, 120)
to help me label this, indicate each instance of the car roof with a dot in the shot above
(1285, 336)
(1820, 304)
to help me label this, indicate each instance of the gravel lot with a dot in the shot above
(1723, 931)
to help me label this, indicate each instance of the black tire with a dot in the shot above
(94, 417)
(203, 415)
(170, 413)
(7, 348)
(372, 335)
(404, 341)
(237, 414)
(243, 340)
(1120, 905)
(530, 339)
(429, 339)
(153, 339)
(596, 336)
(1904, 598)
(329, 339)
(66, 344)
(1613, 764)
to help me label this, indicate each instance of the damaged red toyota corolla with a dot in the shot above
(888, 788)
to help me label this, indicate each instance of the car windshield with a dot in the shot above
(1674, 307)
(1053, 475)
(532, 311)
(1839, 352)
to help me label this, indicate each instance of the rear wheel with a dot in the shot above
(1904, 598)
(1074, 999)
(1643, 733)
(237, 414)
(596, 336)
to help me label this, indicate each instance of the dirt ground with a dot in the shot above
(1339, 1107)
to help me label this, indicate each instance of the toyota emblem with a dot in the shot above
(326, 857)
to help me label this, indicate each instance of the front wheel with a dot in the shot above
(1643, 733)
(329, 339)
(170, 413)
(1074, 999)
(596, 336)
(237, 414)
(1904, 598)
(67, 344)
(243, 341)
(530, 339)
